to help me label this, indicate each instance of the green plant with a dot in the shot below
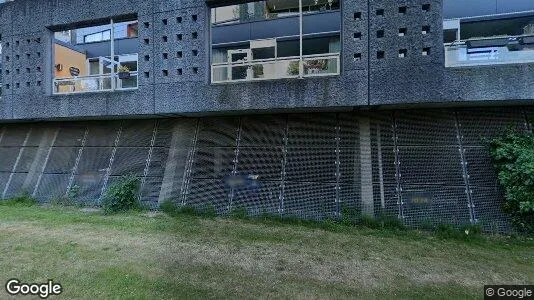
(464, 232)
(169, 207)
(257, 70)
(70, 199)
(320, 64)
(173, 209)
(123, 69)
(349, 215)
(122, 195)
(293, 68)
(391, 222)
(238, 213)
(24, 199)
(513, 156)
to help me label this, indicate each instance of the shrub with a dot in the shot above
(465, 232)
(169, 207)
(391, 222)
(238, 213)
(349, 215)
(513, 155)
(21, 200)
(122, 195)
(71, 199)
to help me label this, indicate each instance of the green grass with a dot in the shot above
(150, 257)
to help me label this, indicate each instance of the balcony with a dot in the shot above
(276, 68)
(96, 83)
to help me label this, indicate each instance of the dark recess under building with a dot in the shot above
(384, 108)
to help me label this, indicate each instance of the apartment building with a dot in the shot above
(305, 108)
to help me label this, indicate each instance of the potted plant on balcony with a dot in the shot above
(123, 72)
(315, 66)
(293, 68)
(257, 71)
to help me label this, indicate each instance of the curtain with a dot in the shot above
(334, 46)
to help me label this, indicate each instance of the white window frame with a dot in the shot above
(113, 76)
(301, 59)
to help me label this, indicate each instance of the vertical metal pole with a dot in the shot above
(301, 65)
(112, 55)
(236, 159)
(148, 159)
(45, 162)
(111, 159)
(283, 175)
(465, 173)
(189, 164)
(17, 161)
(77, 162)
(397, 169)
(338, 168)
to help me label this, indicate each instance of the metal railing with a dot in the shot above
(488, 52)
(95, 83)
(276, 68)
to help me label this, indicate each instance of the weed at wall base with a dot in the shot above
(122, 195)
(21, 200)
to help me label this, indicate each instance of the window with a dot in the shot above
(96, 58)
(285, 51)
(489, 40)
(269, 9)
(97, 36)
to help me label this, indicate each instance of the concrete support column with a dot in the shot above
(179, 161)
(366, 167)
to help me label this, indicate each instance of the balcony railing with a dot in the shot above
(95, 83)
(276, 68)
(490, 51)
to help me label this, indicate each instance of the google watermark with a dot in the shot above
(15, 287)
(509, 292)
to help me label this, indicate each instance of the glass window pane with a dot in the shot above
(269, 47)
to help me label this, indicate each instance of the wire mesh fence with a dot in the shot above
(426, 167)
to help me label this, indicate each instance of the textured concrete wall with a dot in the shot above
(308, 165)
(365, 78)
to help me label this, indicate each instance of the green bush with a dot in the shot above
(513, 155)
(465, 232)
(122, 195)
(21, 200)
(70, 199)
(238, 213)
(169, 207)
(391, 222)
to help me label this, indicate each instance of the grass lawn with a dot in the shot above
(139, 256)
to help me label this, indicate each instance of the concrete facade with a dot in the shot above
(307, 165)
(26, 28)
(364, 140)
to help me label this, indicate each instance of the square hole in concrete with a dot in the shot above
(425, 30)
(380, 54)
(380, 34)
